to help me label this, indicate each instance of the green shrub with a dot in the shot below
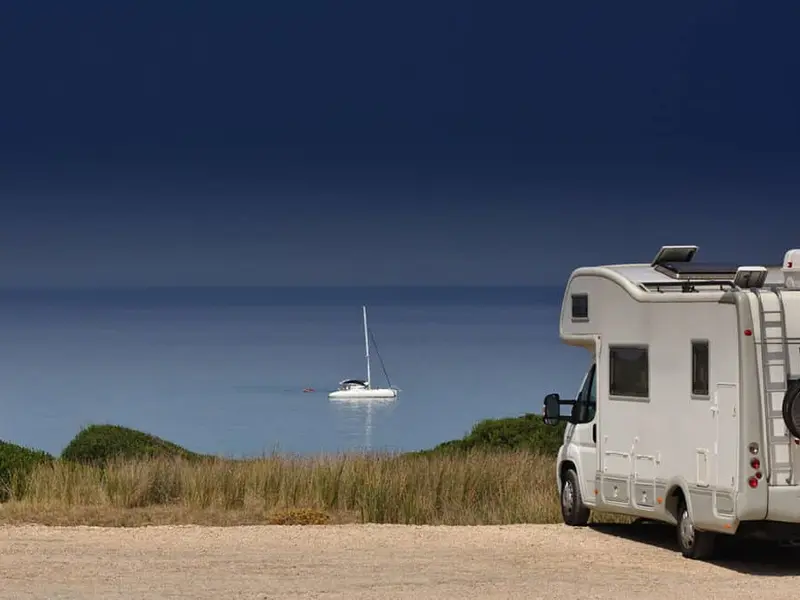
(98, 444)
(527, 432)
(16, 463)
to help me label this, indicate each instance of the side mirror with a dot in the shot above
(552, 409)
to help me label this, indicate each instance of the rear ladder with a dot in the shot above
(774, 381)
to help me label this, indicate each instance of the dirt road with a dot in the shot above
(375, 561)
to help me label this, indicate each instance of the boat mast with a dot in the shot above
(366, 346)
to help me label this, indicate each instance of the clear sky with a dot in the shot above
(195, 142)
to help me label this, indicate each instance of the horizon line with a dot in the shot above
(277, 286)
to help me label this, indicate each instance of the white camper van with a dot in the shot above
(690, 410)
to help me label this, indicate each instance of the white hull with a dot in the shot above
(354, 390)
(363, 394)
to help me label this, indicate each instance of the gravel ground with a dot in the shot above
(379, 561)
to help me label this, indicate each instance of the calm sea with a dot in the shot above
(222, 370)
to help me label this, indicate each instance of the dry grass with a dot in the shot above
(479, 488)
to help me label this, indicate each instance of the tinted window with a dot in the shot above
(629, 372)
(592, 396)
(700, 368)
(580, 306)
(586, 407)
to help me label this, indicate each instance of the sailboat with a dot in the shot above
(358, 389)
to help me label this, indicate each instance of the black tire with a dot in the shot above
(694, 544)
(791, 408)
(573, 510)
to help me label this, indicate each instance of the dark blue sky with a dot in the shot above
(371, 142)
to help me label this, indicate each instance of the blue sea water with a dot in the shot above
(222, 370)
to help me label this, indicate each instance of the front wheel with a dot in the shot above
(573, 510)
(694, 544)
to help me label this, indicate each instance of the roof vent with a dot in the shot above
(674, 254)
(791, 269)
(750, 277)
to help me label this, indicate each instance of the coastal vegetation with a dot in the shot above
(527, 432)
(501, 472)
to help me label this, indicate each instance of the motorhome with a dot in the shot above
(689, 413)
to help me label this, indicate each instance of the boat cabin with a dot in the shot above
(352, 384)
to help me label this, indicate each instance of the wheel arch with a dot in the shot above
(676, 492)
(566, 465)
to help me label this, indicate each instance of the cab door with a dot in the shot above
(584, 435)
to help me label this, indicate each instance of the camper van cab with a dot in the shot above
(689, 412)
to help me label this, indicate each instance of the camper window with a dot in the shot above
(700, 368)
(580, 307)
(629, 375)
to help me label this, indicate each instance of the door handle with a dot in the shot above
(594, 432)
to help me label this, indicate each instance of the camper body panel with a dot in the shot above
(782, 453)
(667, 436)
(751, 504)
(656, 435)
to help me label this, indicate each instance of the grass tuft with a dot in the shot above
(299, 516)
